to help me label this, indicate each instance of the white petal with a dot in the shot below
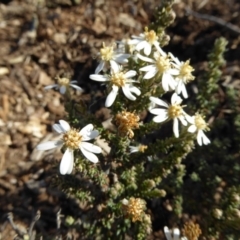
(176, 234)
(175, 99)
(206, 141)
(145, 59)
(160, 50)
(98, 77)
(134, 90)
(159, 101)
(111, 97)
(63, 89)
(173, 71)
(130, 74)
(147, 49)
(49, 145)
(167, 233)
(58, 128)
(51, 86)
(175, 59)
(192, 129)
(90, 156)
(133, 149)
(90, 147)
(165, 82)
(127, 93)
(74, 81)
(158, 111)
(88, 133)
(148, 68)
(160, 118)
(190, 119)
(100, 67)
(184, 91)
(150, 74)
(199, 137)
(114, 67)
(175, 127)
(65, 126)
(141, 45)
(76, 87)
(66, 165)
(122, 58)
(183, 120)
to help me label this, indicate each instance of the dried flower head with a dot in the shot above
(134, 208)
(126, 122)
(191, 230)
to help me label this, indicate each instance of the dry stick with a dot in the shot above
(219, 21)
(35, 219)
(14, 226)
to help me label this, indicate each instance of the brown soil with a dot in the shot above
(39, 41)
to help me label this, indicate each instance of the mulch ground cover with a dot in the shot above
(42, 39)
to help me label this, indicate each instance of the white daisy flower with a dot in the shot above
(139, 148)
(73, 139)
(63, 84)
(108, 54)
(173, 234)
(145, 41)
(118, 79)
(184, 76)
(173, 111)
(198, 125)
(161, 66)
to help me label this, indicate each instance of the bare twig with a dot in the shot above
(219, 21)
(14, 226)
(35, 219)
(58, 220)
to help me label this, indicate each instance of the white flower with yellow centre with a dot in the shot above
(161, 66)
(139, 148)
(184, 76)
(198, 125)
(145, 41)
(63, 84)
(118, 79)
(108, 54)
(173, 111)
(73, 140)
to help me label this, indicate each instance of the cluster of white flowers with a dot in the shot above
(172, 73)
(155, 63)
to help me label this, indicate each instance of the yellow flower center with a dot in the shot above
(163, 63)
(72, 139)
(200, 122)
(142, 148)
(150, 36)
(126, 121)
(186, 72)
(118, 79)
(191, 231)
(63, 81)
(106, 53)
(175, 111)
(134, 209)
